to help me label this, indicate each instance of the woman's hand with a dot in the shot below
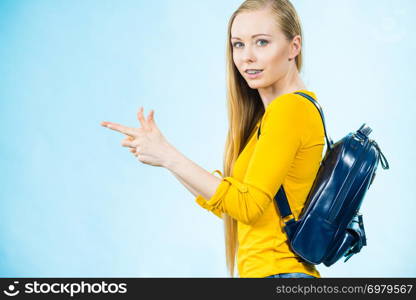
(147, 143)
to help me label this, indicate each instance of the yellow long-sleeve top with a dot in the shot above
(288, 152)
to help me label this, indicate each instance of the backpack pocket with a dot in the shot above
(348, 244)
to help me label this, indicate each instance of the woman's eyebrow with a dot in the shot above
(253, 36)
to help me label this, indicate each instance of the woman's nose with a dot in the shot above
(249, 55)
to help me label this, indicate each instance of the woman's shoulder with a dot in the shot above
(295, 112)
(293, 109)
(291, 99)
(289, 104)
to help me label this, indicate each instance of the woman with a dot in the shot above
(264, 59)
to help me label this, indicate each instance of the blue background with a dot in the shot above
(76, 203)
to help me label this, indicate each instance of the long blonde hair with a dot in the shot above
(245, 107)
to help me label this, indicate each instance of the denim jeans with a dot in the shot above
(291, 275)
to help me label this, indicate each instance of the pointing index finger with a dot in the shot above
(120, 128)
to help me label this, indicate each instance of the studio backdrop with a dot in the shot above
(75, 203)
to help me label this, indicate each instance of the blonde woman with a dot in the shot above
(264, 58)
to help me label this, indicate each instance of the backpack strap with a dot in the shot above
(282, 203)
(329, 141)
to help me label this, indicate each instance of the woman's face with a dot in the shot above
(258, 43)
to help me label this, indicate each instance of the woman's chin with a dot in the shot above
(255, 84)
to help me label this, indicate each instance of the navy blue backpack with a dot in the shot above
(330, 225)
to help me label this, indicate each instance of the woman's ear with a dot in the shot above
(295, 47)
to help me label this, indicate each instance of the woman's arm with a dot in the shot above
(193, 192)
(196, 179)
(227, 195)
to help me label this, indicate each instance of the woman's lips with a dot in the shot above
(254, 76)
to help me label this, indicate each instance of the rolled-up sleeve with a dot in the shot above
(202, 201)
(281, 136)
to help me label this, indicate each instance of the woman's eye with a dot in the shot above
(235, 44)
(266, 42)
